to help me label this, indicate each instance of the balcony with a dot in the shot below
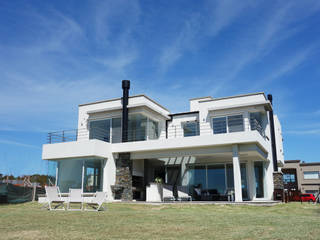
(184, 130)
(204, 129)
(112, 136)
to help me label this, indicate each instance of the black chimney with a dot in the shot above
(125, 98)
(273, 137)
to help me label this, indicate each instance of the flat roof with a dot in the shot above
(116, 99)
(310, 164)
(183, 113)
(235, 96)
(292, 161)
(200, 98)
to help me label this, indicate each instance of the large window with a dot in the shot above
(289, 178)
(153, 129)
(137, 127)
(219, 125)
(84, 174)
(100, 129)
(259, 175)
(52, 172)
(256, 122)
(216, 179)
(140, 128)
(116, 130)
(207, 181)
(190, 129)
(311, 175)
(227, 124)
(92, 176)
(69, 174)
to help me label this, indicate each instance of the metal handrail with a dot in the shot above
(142, 133)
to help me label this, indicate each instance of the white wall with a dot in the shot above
(279, 139)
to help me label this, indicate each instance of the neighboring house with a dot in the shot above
(221, 146)
(301, 176)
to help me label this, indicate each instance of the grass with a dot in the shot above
(178, 221)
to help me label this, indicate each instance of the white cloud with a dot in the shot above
(304, 132)
(184, 41)
(224, 13)
(19, 144)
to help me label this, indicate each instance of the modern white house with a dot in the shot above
(222, 147)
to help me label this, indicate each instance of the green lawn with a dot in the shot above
(178, 221)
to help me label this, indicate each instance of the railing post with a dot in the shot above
(62, 136)
(77, 134)
(49, 140)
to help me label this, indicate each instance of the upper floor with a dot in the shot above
(234, 117)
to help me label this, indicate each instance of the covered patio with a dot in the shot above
(233, 173)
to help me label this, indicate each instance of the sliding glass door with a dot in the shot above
(216, 179)
(206, 182)
(92, 176)
(259, 175)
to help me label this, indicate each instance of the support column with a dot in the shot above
(123, 186)
(236, 174)
(251, 180)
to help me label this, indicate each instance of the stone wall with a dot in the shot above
(278, 180)
(123, 186)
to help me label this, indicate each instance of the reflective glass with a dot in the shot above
(235, 123)
(92, 176)
(100, 129)
(258, 171)
(216, 179)
(137, 127)
(191, 129)
(153, 129)
(219, 125)
(69, 174)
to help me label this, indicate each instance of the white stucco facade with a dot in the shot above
(215, 136)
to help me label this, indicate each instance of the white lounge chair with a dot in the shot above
(167, 193)
(96, 202)
(183, 193)
(54, 197)
(75, 197)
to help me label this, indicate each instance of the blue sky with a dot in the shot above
(55, 55)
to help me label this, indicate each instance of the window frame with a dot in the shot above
(227, 122)
(197, 128)
(304, 172)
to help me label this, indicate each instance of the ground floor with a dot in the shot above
(219, 176)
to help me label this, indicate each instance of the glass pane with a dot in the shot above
(258, 171)
(153, 131)
(92, 176)
(116, 130)
(230, 179)
(191, 129)
(311, 175)
(69, 174)
(244, 185)
(235, 123)
(255, 120)
(52, 169)
(100, 130)
(216, 179)
(219, 125)
(137, 127)
(197, 181)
